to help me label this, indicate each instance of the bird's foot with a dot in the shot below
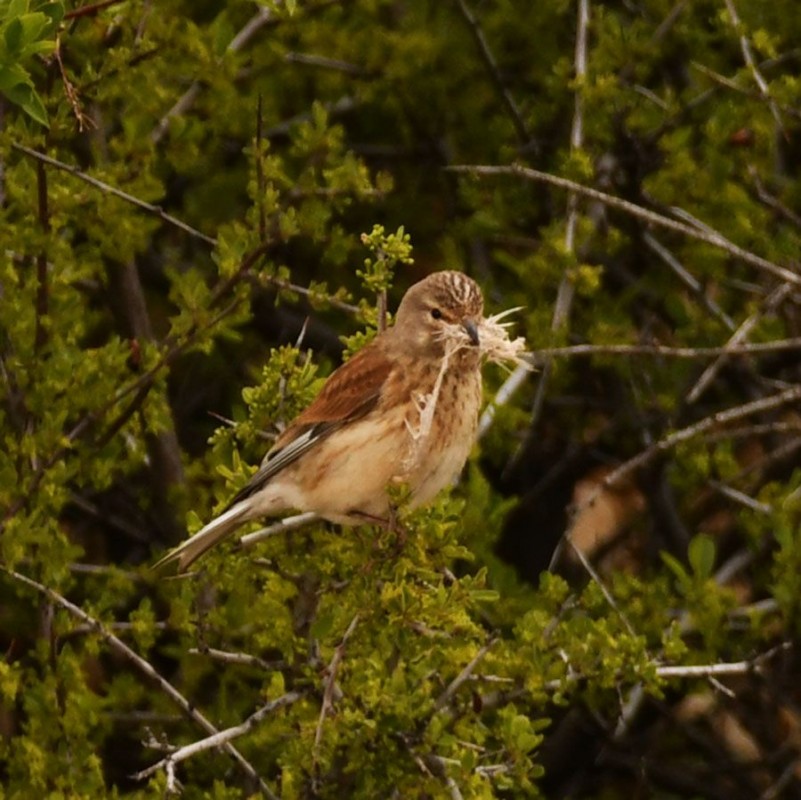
(391, 523)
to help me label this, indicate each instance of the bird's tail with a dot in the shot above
(215, 531)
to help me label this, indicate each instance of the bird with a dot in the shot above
(402, 411)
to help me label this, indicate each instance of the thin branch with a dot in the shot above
(585, 562)
(741, 497)
(330, 682)
(718, 419)
(751, 666)
(566, 291)
(86, 11)
(772, 202)
(770, 304)
(565, 294)
(222, 739)
(42, 287)
(84, 121)
(689, 280)
(142, 666)
(326, 63)
(187, 99)
(282, 526)
(114, 191)
(711, 237)
(664, 351)
(503, 396)
(340, 106)
(728, 83)
(748, 56)
(494, 72)
(462, 677)
(432, 764)
(245, 659)
(309, 294)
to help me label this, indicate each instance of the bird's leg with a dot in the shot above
(391, 523)
(394, 524)
(368, 519)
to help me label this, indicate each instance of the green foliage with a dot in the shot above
(239, 190)
(26, 32)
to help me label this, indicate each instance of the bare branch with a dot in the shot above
(741, 497)
(330, 681)
(688, 280)
(222, 739)
(664, 351)
(282, 526)
(748, 56)
(462, 677)
(753, 665)
(237, 658)
(718, 419)
(565, 293)
(84, 121)
(771, 303)
(646, 215)
(585, 562)
(107, 188)
(187, 99)
(772, 202)
(728, 83)
(502, 397)
(288, 286)
(326, 63)
(494, 72)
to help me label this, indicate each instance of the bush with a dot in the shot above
(607, 603)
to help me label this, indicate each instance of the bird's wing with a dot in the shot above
(350, 392)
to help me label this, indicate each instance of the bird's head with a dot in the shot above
(445, 306)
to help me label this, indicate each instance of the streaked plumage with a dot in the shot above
(402, 410)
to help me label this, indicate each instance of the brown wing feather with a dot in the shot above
(350, 392)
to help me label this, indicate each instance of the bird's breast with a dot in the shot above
(441, 427)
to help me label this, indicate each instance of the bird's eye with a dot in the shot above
(436, 313)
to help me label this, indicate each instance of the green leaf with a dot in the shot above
(27, 99)
(13, 36)
(16, 8)
(701, 555)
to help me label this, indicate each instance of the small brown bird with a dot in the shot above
(402, 410)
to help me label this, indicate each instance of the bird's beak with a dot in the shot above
(472, 330)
